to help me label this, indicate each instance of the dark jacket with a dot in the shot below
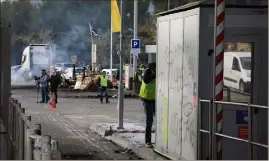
(55, 81)
(148, 76)
(150, 73)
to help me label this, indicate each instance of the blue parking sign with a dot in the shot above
(135, 44)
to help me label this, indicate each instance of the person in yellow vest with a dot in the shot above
(102, 81)
(147, 95)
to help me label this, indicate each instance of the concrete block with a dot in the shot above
(101, 129)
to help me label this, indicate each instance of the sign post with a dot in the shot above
(135, 47)
(135, 50)
(94, 60)
(74, 61)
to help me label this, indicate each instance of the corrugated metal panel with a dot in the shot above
(162, 87)
(177, 60)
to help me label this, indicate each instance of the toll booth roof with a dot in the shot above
(210, 4)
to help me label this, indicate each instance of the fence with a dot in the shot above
(24, 140)
(230, 92)
(211, 130)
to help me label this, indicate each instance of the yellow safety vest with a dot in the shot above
(147, 91)
(103, 80)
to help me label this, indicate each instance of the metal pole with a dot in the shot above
(46, 147)
(2, 147)
(210, 135)
(17, 130)
(199, 126)
(250, 148)
(218, 74)
(11, 129)
(54, 150)
(135, 37)
(111, 50)
(121, 90)
(21, 135)
(1, 64)
(37, 143)
(91, 28)
(28, 143)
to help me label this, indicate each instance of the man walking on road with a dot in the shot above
(147, 94)
(102, 81)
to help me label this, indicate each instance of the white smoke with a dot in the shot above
(21, 78)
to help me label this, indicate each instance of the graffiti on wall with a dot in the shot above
(181, 120)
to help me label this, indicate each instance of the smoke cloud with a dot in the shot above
(64, 24)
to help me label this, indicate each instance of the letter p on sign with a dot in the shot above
(135, 46)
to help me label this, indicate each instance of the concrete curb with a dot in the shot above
(100, 130)
(94, 96)
(140, 151)
(118, 138)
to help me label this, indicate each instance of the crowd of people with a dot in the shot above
(147, 93)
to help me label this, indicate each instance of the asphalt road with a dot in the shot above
(75, 141)
(69, 123)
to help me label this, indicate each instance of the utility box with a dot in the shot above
(184, 72)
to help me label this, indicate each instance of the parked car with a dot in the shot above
(109, 72)
(237, 70)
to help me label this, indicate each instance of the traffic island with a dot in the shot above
(131, 138)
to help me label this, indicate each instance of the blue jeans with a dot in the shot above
(149, 109)
(103, 91)
(44, 94)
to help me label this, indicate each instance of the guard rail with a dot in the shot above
(24, 139)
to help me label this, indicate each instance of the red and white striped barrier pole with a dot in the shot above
(219, 54)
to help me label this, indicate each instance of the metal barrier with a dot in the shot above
(25, 141)
(229, 91)
(213, 128)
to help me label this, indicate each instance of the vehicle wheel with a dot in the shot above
(241, 86)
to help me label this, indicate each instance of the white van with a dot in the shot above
(109, 72)
(237, 70)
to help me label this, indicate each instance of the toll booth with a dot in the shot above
(185, 36)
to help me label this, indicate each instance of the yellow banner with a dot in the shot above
(115, 16)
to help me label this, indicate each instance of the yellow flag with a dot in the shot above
(115, 16)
